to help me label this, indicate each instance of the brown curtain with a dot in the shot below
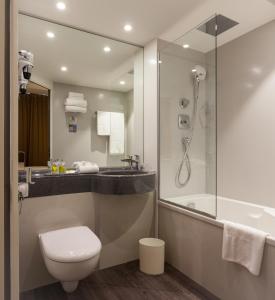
(34, 129)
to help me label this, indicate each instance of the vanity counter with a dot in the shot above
(107, 181)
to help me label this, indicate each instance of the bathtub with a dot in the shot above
(194, 244)
(257, 216)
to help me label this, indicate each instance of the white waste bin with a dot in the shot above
(151, 256)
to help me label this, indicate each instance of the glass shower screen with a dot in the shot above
(187, 120)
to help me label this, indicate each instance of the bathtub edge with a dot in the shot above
(269, 240)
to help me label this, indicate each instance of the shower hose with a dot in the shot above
(186, 141)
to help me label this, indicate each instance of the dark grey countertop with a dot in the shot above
(46, 184)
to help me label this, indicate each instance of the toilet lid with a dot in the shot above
(72, 244)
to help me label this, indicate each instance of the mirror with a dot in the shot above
(84, 101)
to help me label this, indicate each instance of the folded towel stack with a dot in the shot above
(75, 103)
(243, 245)
(85, 167)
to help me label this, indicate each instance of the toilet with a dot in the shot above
(70, 254)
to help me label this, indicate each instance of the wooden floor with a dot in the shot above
(124, 282)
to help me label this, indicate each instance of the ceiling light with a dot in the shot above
(194, 70)
(128, 27)
(107, 49)
(64, 69)
(186, 46)
(50, 35)
(61, 5)
(122, 82)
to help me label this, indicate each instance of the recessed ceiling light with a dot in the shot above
(122, 82)
(194, 70)
(107, 49)
(186, 46)
(64, 69)
(128, 27)
(61, 5)
(50, 35)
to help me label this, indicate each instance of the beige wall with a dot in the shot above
(194, 247)
(85, 144)
(2, 39)
(119, 222)
(246, 122)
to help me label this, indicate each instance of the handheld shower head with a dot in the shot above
(199, 72)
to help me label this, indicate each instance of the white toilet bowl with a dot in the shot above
(70, 254)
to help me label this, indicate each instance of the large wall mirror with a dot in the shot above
(85, 98)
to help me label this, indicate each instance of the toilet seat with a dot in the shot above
(74, 244)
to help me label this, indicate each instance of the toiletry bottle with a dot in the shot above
(55, 167)
(62, 168)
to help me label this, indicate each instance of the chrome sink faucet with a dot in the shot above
(133, 162)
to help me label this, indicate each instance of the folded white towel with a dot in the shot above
(76, 102)
(86, 167)
(76, 95)
(76, 109)
(243, 245)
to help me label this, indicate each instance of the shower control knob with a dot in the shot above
(183, 103)
(184, 121)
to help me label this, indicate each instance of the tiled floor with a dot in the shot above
(124, 282)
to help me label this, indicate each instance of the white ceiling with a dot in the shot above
(166, 19)
(82, 53)
(149, 18)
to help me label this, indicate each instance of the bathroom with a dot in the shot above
(132, 127)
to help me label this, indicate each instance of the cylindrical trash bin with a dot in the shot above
(151, 256)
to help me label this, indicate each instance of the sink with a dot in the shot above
(123, 181)
(124, 173)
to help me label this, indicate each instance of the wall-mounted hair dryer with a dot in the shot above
(25, 66)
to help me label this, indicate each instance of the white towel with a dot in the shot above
(116, 146)
(76, 102)
(75, 109)
(86, 167)
(76, 95)
(103, 123)
(243, 245)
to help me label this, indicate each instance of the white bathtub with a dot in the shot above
(194, 245)
(257, 216)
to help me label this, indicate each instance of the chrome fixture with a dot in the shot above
(134, 163)
(217, 25)
(199, 74)
(184, 121)
(183, 103)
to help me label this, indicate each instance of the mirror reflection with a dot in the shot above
(84, 100)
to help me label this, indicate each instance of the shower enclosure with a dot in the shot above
(187, 120)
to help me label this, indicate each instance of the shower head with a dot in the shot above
(199, 72)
